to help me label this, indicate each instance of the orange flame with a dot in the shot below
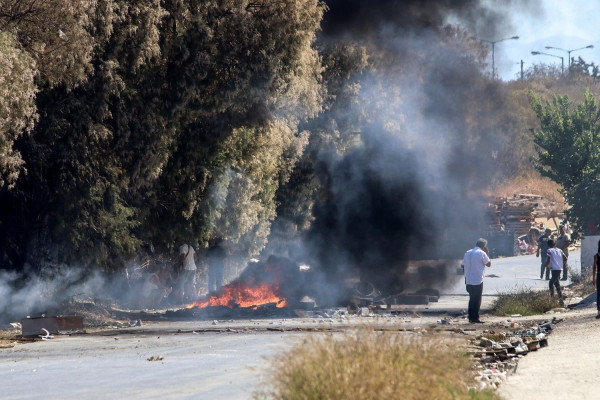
(243, 295)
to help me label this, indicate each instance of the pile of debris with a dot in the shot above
(498, 353)
(509, 219)
(515, 215)
(518, 214)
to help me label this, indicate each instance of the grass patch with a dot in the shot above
(525, 302)
(496, 337)
(363, 364)
(581, 284)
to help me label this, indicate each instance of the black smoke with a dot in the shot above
(379, 215)
(363, 19)
(413, 189)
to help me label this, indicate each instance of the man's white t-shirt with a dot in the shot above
(556, 258)
(474, 262)
(188, 252)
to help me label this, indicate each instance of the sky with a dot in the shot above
(566, 24)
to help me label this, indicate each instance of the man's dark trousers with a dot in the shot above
(554, 282)
(475, 293)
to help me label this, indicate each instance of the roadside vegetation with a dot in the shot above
(365, 364)
(525, 302)
(582, 285)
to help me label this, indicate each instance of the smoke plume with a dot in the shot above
(412, 190)
(34, 295)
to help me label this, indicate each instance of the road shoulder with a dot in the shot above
(567, 368)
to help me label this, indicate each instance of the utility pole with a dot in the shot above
(562, 59)
(493, 43)
(591, 46)
(521, 69)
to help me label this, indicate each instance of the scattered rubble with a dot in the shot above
(497, 353)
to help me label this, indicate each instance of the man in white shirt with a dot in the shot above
(556, 260)
(474, 263)
(188, 259)
(562, 242)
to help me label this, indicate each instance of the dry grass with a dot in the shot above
(364, 364)
(526, 302)
(531, 185)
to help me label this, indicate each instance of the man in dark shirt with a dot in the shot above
(216, 265)
(543, 249)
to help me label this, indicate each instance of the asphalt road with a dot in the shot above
(181, 360)
(506, 275)
(511, 273)
(151, 363)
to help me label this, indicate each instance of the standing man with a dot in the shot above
(563, 242)
(543, 249)
(556, 259)
(474, 263)
(596, 278)
(216, 265)
(188, 258)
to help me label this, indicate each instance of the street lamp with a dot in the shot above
(562, 59)
(591, 46)
(493, 43)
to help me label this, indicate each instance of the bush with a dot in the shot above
(577, 278)
(525, 302)
(364, 364)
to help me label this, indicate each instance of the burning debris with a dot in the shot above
(242, 295)
(274, 283)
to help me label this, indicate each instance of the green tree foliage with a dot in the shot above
(170, 119)
(17, 104)
(545, 81)
(95, 144)
(243, 78)
(41, 43)
(569, 152)
(143, 121)
(56, 33)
